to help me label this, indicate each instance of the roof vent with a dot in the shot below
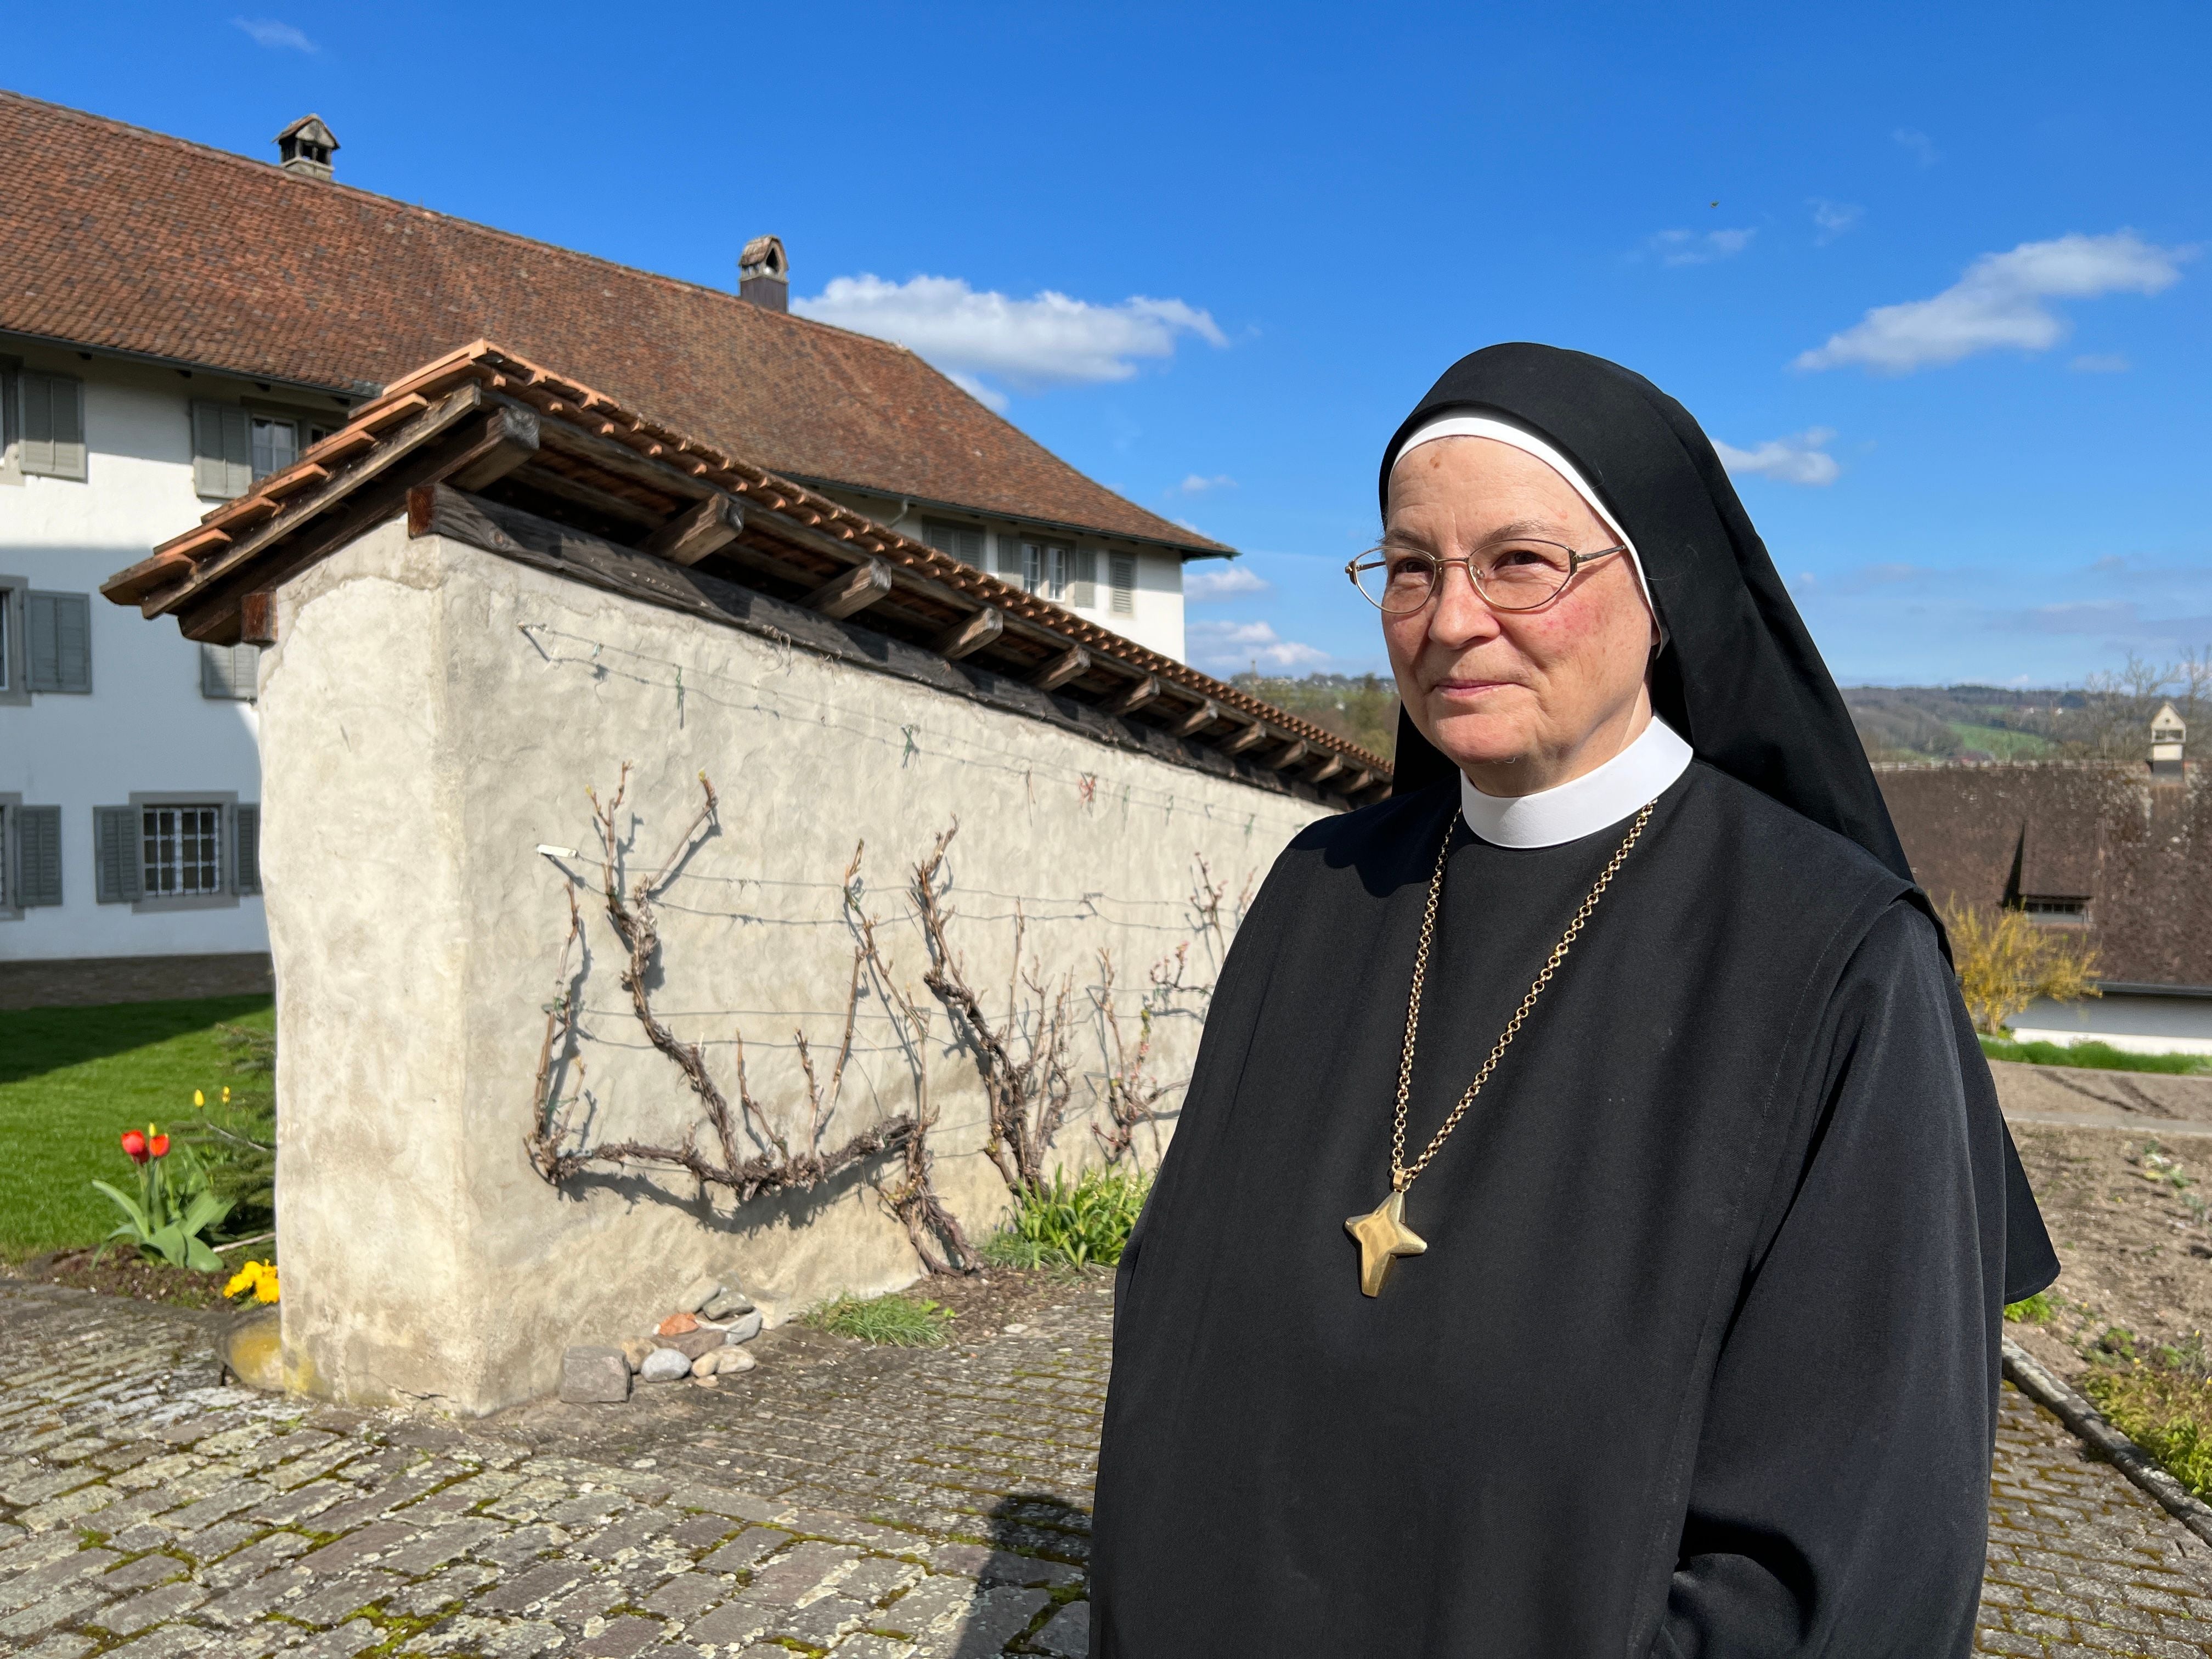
(305, 148)
(764, 275)
(2168, 732)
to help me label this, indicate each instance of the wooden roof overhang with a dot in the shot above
(487, 446)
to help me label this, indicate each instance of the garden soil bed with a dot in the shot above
(121, 1272)
(2134, 1242)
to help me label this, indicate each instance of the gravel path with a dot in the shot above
(873, 1504)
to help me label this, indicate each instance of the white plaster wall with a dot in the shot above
(145, 726)
(433, 715)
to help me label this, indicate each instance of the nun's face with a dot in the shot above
(1519, 700)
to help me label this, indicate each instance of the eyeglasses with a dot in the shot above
(1520, 575)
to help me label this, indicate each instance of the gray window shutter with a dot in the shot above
(1082, 592)
(117, 877)
(248, 841)
(60, 630)
(1121, 577)
(38, 855)
(1009, 557)
(222, 451)
(53, 425)
(230, 670)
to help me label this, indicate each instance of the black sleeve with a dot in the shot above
(1839, 1502)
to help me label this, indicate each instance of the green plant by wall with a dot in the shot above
(173, 1209)
(2097, 1056)
(900, 1321)
(1076, 1224)
(2165, 1409)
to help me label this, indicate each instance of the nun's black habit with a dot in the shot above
(1702, 1358)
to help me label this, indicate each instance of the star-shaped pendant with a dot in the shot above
(1383, 1237)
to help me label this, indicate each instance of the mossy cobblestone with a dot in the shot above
(910, 1504)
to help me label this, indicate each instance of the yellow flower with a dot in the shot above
(199, 1099)
(267, 1290)
(259, 1277)
(226, 1094)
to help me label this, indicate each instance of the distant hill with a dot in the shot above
(1905, 723)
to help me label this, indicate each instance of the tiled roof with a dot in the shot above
(582, 456)
(112, 236)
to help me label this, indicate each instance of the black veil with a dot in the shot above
(1739, 677)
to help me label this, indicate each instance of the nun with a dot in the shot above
(1589, 1223)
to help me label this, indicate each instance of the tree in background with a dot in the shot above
(2006, 962)
(1363, 708)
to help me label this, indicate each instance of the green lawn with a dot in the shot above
(72, 1079)
(2100, 1056)
(2005, 745)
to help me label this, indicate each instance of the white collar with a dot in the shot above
(1583, 806)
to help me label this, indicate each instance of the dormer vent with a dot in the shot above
(764, 275)
(306, 148)
(2168, 732)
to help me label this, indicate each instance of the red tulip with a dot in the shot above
(134, 1144)
(160, 1146)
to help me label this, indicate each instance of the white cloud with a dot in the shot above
(1799, 460)
(1919, 145)
(2100, 362)
(1834, 219)
(274, 34)
(2001, 300)
(1690, 247)
(1231, 646)
(1229, 582)
(1197, 485)
(1049, 340)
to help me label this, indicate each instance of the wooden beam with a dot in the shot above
(512, 438)
(1251, 734)
(856, 590)
(258, 618)
(1290, 757)
(1327, 769)
(1062, 669)
(590, 497)
(692, 534)
(1136, 697)
(1359, 782)
(1198, 720)
(619, 459)
(964, 639)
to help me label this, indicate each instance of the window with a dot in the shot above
(1048, 568)
(2057, 912)
(234, 447)
(49, 424)
(30, 857)
(230, 672)
(176, 852)
(1121, 578)
(14, 687)
(964, 542)
(180, 851)
(57, 634)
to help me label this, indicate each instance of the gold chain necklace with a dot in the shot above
(1382, 1233)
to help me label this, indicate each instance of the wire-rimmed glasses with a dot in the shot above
(1524, 573)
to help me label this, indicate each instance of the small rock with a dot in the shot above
(698, 1293)
(729, 1362)
(728, 1301)
(706, 1364)
(692, 1344)
(676, 1324)
(635, 1349)
(1016, 1329)
(594, 1377)
(744, 1329)
(704, 1382)
(665, 1366)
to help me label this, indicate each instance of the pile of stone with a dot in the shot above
(700, 1339)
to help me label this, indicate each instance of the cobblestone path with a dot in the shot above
(867, 1502)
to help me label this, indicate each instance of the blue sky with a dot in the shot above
(1949, 305)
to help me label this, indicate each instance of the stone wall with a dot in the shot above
(433, 716)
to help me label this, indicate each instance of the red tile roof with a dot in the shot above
(112, 236)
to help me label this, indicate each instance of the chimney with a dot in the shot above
(764, 275)
(305, 148)
(2167, 734)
